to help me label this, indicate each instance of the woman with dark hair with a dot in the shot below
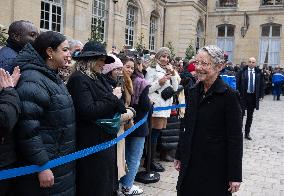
(94, 99)
(46, 127)
(134, 144)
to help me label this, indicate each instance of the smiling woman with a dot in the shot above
(46, 127)
(209, 152)
(94, 100)
(208, 66)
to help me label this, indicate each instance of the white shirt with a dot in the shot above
(249, 79)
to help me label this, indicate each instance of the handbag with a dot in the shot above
(110, 126)
(167, 93)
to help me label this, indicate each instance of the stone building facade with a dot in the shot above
(118, 22)
(248, 28)
(185, 24)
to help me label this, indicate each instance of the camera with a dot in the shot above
(120, 81)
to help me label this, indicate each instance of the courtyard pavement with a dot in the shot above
(263, 160)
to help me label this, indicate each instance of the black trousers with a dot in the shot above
(7, 186)
(250, 107)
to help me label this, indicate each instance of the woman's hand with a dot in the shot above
(170, 69)
(117, 92)
(16, 75)
(177, 164)
(163, 80)
(46, 178)
(5, 79)
(234, 186)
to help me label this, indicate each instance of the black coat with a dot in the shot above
(9, 113)
(242, 86)
(46, 127)
(93, 99)
(211, 145)
(142, 108)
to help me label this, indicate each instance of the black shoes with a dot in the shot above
(247, 136)
(157, 167)
(154, 166)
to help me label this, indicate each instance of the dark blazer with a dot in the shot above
(46, 126)
(242, 86)
(7, 56)
(142, 108)
(211, 144)
(93, 99)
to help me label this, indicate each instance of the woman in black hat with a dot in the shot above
(94, 99)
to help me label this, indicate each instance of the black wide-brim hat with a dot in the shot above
(93, 50)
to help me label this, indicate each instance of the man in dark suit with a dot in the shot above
(250, 86)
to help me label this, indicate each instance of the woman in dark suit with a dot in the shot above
(209, 154)
(94, 99)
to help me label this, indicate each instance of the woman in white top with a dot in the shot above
(163, 80)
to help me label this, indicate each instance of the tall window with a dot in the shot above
(272, 2)
(130, 25)
(227, 3)
(51, 15)
(225, 39)
(98, 19)
(270, 44)
(152, 33)
(199, 36)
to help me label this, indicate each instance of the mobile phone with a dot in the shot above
(120, 81)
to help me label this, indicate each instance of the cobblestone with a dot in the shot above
(263, 160)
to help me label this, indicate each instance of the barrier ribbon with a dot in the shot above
(20, 171)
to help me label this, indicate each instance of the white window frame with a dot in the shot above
(273, 3)
(226, 41)
(270, 50)
(51, 4)
(152, 33)
(99, 13)
(130, 25)
(228, 3)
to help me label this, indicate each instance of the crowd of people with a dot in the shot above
(59, 96)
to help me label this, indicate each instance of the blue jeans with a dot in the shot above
(133, 152)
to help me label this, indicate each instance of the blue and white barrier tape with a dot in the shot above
(20, 171)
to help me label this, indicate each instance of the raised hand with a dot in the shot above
(5, 79)
(16, 75)
(117, 92)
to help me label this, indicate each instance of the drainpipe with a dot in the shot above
(164, 26)
(114, 12)
(206, 22)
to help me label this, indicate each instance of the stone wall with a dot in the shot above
(258, 15)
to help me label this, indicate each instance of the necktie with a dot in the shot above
(251, 82)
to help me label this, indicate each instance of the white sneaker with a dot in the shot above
(135, 190)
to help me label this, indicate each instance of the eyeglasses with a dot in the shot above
(251, 62)
(202, 63)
